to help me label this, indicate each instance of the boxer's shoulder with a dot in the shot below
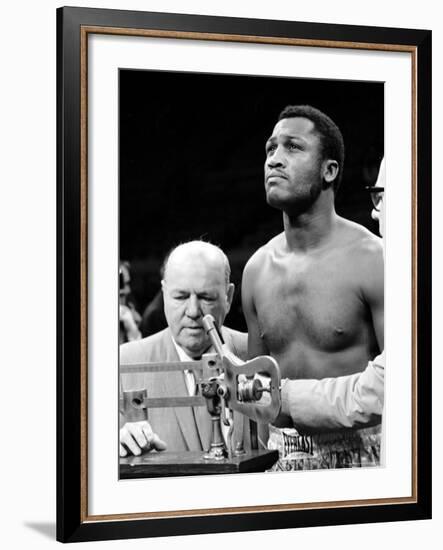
(267, 250)
(358, 239)
(362, 252)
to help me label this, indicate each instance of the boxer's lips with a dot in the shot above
(275, 176)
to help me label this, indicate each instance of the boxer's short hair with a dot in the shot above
(330, 134)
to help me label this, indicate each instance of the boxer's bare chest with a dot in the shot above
(309, 300)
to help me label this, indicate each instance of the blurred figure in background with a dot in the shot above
(153, 318)
(128, 315)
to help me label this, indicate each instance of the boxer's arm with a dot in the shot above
(373, 288)
(256, 345)
(350, 401)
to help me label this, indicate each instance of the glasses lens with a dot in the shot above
(376, 199)
(376, 196)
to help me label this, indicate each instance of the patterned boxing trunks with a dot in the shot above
(344, 449)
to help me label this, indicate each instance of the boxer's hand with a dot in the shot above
(138, 438)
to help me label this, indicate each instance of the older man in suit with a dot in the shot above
(196, 282)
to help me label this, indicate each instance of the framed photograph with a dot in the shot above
(189, 148)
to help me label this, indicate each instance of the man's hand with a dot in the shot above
(138, 438)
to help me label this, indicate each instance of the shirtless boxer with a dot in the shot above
(313, 295)
(345, 401)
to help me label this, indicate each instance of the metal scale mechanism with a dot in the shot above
(225, 384)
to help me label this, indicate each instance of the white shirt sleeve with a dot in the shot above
(333, 403)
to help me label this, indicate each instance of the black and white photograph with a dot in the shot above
(251, 273)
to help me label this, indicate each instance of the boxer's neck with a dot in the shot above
(310, 229)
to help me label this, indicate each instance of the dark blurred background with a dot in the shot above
(192, 150)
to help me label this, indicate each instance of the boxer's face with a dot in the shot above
(192, 288)
(293, 166)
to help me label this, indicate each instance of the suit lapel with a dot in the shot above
(175, 386)
(227, 339)
(195, 422)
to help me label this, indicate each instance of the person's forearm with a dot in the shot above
(334, 403)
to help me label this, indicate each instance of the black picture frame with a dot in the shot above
(73, 25)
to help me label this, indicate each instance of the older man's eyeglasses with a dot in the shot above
(376, 194)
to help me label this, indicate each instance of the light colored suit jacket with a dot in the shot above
(353, 401)
(182, 428)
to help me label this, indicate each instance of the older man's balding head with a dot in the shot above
(195, 283)
(199, 250)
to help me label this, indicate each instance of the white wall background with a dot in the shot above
(27, 229)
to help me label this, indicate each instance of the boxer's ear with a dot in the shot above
(330, 171)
